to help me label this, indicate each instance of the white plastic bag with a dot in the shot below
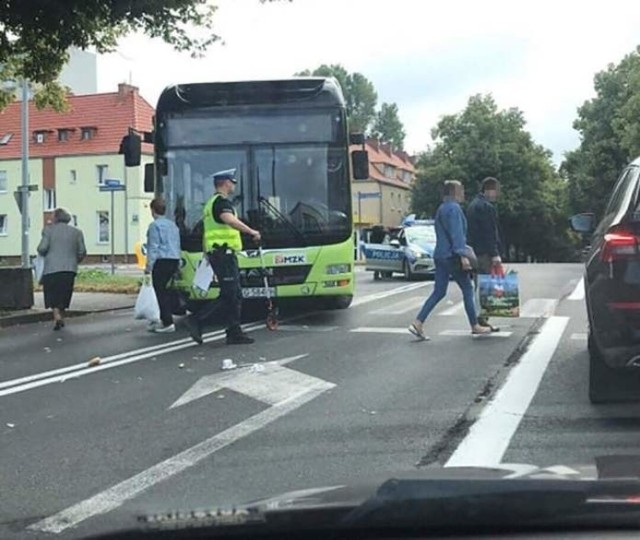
(147, 304)
(203, 276)
(38, 268)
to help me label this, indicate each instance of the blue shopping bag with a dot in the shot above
(499, 296)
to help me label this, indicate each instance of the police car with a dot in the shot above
(407, 250)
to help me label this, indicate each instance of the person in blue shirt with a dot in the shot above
(163, 261)
(450, 259)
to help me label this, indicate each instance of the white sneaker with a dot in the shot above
(152, 325)
(159, 329)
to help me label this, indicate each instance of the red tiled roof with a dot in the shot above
(112, 114)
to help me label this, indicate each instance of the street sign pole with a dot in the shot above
(360, 207)
(126, 216)
(24, 129)
(112, 222)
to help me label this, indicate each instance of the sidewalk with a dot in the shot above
(81, 304)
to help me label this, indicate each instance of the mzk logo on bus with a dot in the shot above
(293, 258)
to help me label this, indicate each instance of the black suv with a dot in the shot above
(612, 290)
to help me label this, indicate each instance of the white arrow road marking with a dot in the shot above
(500, 334)
(276, 383)
(115, 496)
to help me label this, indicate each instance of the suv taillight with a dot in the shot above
(619, 245)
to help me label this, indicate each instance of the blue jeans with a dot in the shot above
(444, 269)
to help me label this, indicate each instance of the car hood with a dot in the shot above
(604, 468)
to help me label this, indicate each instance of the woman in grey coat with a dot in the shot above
(62, 247)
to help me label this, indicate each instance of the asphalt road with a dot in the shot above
(329, 398)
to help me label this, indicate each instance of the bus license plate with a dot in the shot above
(257, 292)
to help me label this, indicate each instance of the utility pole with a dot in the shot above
(24, 188)
(126, 216)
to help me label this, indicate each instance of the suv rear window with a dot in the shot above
(622, 193)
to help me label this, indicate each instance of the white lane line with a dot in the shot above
(305, 328)
(578, 292)
(385, 294)
(456, 309)
(115, 496)
(538, 307)
(110, 362)
(489, 437)
(379, 330)
(399, 308)
(500, 334)
(580, 336)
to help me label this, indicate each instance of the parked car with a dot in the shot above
(612, 292)
(409, 251)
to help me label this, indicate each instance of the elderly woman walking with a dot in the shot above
(62, 247)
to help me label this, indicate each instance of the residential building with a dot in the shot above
(71, 156)
(385, 197)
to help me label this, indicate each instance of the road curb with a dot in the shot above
(45, 315)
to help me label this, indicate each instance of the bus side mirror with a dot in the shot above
(131, 147)
(149, 184)
(360, 164)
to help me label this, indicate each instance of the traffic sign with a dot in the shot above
(113, 187)
(112, 182)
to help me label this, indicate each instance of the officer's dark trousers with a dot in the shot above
(229, 303)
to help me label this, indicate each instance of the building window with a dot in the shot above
(102, 171)
(3, 224)
(74, 220)
(5, 139)
(389, 171)
(39, 137)
(73, 176)
(4, 182)
(87, 133)
(103, 226)
(49, 202)
(63, 135)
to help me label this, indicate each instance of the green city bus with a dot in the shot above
(289, 143)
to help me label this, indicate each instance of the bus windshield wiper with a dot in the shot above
(301, 236)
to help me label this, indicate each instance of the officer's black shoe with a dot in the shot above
(239, 339)
(194, 329)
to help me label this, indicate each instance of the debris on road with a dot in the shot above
(257, 368)
(10, 425)
(95, 361)
(59, 339)
(220, 396)
(227, 364)
(181, 366)
(47, 349)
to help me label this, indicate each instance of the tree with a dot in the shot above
(609, 127)
(388, 127)
(35, 36)
(484, 141)
(359, 93)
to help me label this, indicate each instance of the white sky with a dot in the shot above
(428, 56)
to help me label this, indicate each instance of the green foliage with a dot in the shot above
(387, 126)
(35, 37)
(484, 141)
(359, 94)
(609, 127)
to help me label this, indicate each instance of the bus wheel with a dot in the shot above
(377, 276)
(339, 302)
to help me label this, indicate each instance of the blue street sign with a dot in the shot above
(112, 182)
(369, 195)
(116, 187)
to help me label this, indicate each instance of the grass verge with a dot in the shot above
(103, 282)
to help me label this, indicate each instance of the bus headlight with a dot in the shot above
(333, 269)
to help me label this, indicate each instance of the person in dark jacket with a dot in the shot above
(450, 259)
(484, 236)
(62, 247)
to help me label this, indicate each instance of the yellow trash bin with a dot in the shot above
(141, 255)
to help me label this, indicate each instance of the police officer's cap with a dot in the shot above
(229, 174)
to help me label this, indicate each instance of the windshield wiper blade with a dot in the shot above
(301, 236)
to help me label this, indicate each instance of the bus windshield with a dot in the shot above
(295, 194)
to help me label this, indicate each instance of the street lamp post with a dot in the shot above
(24, 188)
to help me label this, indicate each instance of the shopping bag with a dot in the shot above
(38, 268)
(147, 304)
(499, 296)
(203, 276)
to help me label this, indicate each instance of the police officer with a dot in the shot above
(221, 241)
